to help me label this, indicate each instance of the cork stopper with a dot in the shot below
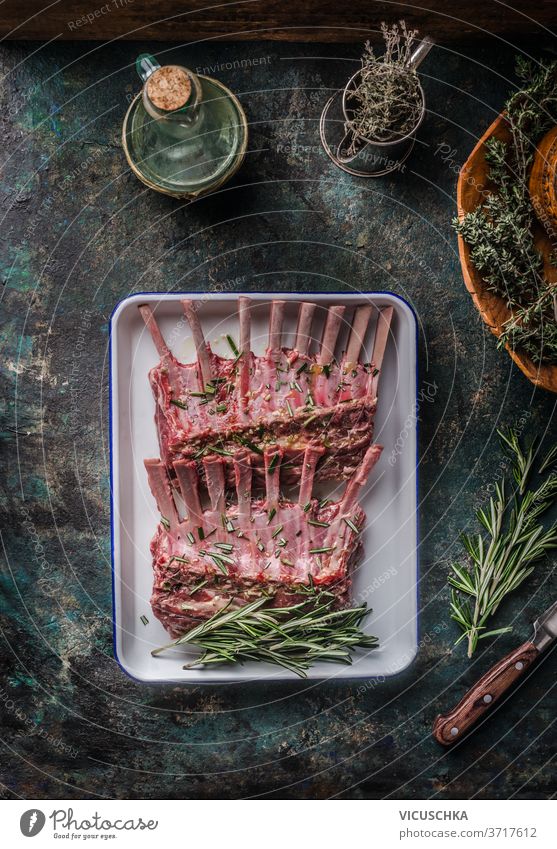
(169, 88)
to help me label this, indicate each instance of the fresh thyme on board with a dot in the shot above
(500, 233)
(293, 637)
(503, 556)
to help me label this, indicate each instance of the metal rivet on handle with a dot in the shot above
(519, 665)
(454, 731)
(488, 698)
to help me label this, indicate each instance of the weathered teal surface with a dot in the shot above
(78, 234)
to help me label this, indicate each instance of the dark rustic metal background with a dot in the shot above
(79, 233)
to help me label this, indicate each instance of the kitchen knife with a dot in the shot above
(450, 727)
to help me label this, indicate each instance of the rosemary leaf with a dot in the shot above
(233, 346)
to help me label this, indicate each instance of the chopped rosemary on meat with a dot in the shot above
(317, 524)
(233, 346)
(165, 523)
(178, 403)
(323, 550)
(197, 394)
(289, 408)
(247, 444)
(201, 534)
(198, 586)
(221, 451)
(220, 555)
(271, 515)
(224, 546)
(190, 537)
(352, 526)
(302, 368)
(293, 637)
(274, 462)
(219, 560)
(221, 408)
(327, 370)
(307, 506)
(277, 531)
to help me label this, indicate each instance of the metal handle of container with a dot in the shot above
(420, 52)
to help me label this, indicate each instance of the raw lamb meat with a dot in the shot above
(235, 552)
(288, 397)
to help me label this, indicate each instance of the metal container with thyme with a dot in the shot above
(368, 128)
(385, 100)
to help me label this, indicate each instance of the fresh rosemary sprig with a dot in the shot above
(500, 232)
(514, 540)
(293, 637)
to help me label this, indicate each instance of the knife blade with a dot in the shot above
(545, 628)
(450, 727)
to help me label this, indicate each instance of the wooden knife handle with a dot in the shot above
(450, 727)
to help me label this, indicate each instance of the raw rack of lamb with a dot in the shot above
(234, 552)
(289, 397)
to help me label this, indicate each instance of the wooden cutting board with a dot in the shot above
(493, 310)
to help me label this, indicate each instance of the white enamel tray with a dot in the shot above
(387, 577)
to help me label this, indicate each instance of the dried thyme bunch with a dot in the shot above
(387, 102)
(500, 232)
